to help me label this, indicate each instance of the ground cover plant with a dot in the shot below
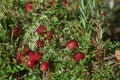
(58, 40)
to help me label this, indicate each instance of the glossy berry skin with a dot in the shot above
(41, 30)
(78, 56)
(44, 66)
(37, 56)
(30, 63)
(72, 44)
(20, 57)
(28, 6)
(16, 31)
(31, 55)
(39, 43)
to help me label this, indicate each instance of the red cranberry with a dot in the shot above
(50, 34)
(50, 2)
(64, 2)
(78, 56)
(39, 43)
(72, 44)
(20, 57)
(16, 31)
(31, 55)
(44, 66)
(26, 49)
(37, 56)
(28, 6)
(41, 30)
(30, 63)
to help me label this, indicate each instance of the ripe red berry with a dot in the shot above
(39, 43)
(30, 63)
(20, 57)
(26, 49)
(72, 44)
(41, 30)
(78, 56)
(31, 55)
(44, 66)
(64, 2)
(16, 31)
(37, 56)
(28, 6)
(50, 2)
(49, 35)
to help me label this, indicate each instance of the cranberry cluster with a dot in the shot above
(34, 57)
(72, 45)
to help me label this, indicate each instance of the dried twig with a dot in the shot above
(110, 57)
